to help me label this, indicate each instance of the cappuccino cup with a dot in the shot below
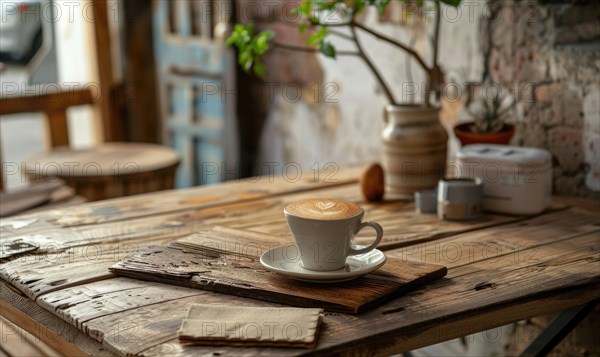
(323, 230)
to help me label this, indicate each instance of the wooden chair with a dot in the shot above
(54, 105)
(139, 167)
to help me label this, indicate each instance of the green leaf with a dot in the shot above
(260, 43)
(231, 40)
(246, 59)
(302, 27)
(316, 39)
(304, 9)
(240, 36)
(454, 3)
(260, 70)
(327, 49)
(251, 48)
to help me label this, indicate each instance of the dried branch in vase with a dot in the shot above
(320, 16)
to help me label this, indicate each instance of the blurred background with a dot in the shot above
(160, 73)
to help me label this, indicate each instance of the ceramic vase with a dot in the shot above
(414, 149)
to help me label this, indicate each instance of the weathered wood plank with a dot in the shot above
(196, 203)
(81, 304)
(458, 297)
(479, 323)
(585, 203)
(38, 274)
(217, 261)
(62, 240)
(512, 238)
(158, 323)
(572, 221)
(401, 224)
(397, 309)
(31, 196)
(185, 200)
(46, 327)
(471, 249)
(390, 343)
(34, 279)
(495, 281)
(536, 270)
(17, 342)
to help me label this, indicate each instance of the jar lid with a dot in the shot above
(502, 154)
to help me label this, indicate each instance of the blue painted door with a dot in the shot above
(196, 74)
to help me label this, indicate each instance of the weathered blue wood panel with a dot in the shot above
(193, 69)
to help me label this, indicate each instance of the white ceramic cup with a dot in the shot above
(324, 245)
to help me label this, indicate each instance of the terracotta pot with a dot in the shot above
(414, 149)
(466, 136)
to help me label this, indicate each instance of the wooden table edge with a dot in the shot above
(390, 342)
(39, 331)
(503, 314)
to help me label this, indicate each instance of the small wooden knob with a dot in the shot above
(372, 183)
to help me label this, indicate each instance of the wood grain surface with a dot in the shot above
(501, 269)
(228, 261)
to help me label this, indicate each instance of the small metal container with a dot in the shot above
(460, 199)
(426, 201)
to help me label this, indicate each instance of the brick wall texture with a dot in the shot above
(547, 55)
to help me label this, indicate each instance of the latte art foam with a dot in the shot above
(323, 208)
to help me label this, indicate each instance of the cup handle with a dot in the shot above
(377, 229)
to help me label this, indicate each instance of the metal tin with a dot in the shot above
(460, 199)
(426, 201)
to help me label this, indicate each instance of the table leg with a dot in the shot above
(558, 329)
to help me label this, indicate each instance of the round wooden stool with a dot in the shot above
(108, 170)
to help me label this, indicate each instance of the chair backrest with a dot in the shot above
(54, 105)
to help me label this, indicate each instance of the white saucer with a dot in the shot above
(285, 260)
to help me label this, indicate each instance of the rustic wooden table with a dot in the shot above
(501, 269)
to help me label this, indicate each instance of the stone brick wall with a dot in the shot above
(548, 52)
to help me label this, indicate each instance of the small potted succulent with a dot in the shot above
(489, 124)
(414, 141)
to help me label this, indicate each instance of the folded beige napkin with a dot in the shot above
(251, 326)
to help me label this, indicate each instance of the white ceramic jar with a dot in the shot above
(517, 180)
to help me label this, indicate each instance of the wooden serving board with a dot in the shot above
(228, 261)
